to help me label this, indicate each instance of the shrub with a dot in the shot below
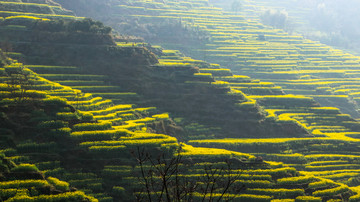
(354, 198)
(25, 168)
(99, 134)
(58, 172)
(68, 196)
(254, 198)
(7, 193)
(66, 116)
(48, 165)
(55, 101)
(240, 197)
(23, 184)
(104, 149)
(295, 180)
(36, 147)
(217, 72)
(308, 199)
(59, 185)
(279, 193)
(118, 191)
(321, 184)
(331, 192)
(92, 126)
(86, 116)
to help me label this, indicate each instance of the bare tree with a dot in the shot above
(164, 178)
(161, 177)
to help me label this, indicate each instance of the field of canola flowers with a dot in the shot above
(326, 138)
(111, 139)
(300, 66)
(107, 131)
(105, 140)
(296, 75)
(108, 138)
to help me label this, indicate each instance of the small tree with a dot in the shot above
(164, 179)
(275, 18)
(19, 82)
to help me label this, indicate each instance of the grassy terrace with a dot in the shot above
(106, 130)
(109, 131)
(38, 9)
(331, 130)
(95, 84)
(103, 133)
(310, 72)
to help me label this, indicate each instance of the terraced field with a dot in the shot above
(90, 133)
(96, 119)
(34, 8)
(300, 66)
(333, 136)
(300, 81)
(101, 136)
(97, 85)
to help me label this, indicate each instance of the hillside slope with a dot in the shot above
(294, 75)
(88, 45)
(215, 36)
(90, 146)
(73, 134)
(89, 142)
(111, 148)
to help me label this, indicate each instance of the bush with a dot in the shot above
(55, 101)
(59, 185)
(354, 198)
(7, 193)
(23, 184)
(321, 184)
(48, 165)
(86, 116)
(239, 198)
(32, 147)
(308, 199)
(119, 191)
(296, 180)
(99, 134)
(109, 152)
(68, 196)
(331, 192)
(92, 126)
(25, 168)
(279, 193)
(66, 116)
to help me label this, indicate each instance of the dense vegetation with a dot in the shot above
(87, 116)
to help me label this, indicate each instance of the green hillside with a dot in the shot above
(90, 148)
(88, 116)
(307, 71)
(87, 44)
